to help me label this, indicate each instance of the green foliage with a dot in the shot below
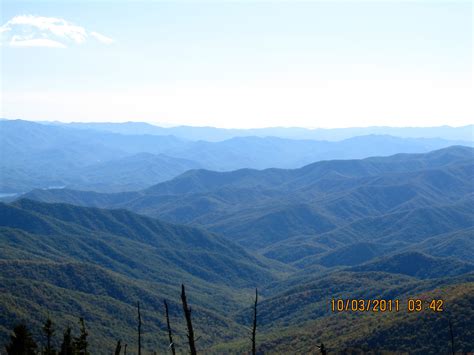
(97, 263)
(419, 332)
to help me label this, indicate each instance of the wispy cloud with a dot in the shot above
(40, 31)
(102, 38)
(18, 41)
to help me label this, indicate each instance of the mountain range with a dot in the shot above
(304, 221)
(37, 155)
(213, 134)
(314, 210)
(65, 261)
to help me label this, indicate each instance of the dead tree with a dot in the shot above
(189, 323)
(322, 349)
(452, 336)
(118, 348)
(254, 327)
(170, 335)
(139, 329)
(125, 349)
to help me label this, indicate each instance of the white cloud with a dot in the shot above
(102, 38)
(37, 42)
(40, 31)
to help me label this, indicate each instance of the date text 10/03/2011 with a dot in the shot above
(382, 305)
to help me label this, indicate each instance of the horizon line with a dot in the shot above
(170, 126)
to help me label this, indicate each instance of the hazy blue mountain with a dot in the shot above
(459, 244)
(43, 156)
(271, 152)
(30, 141)
(418, 265)
(366, 238)
(213, 134)
(129, 173)
(35, 155)
(323, 212)
(353, 254)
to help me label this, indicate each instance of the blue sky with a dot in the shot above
(239, 64)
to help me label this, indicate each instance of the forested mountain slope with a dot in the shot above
(70, 261)
(397, 201)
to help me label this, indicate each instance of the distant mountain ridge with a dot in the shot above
(42, 156)
(331, 134)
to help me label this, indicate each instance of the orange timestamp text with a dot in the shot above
(383, 305)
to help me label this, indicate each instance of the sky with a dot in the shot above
(240, 64)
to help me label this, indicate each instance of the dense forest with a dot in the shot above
(380, 228)
(453, 330)
(22, 341)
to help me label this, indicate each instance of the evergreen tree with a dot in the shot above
(21, 342)
(81, 341)
(48, 331)
(67, 347)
